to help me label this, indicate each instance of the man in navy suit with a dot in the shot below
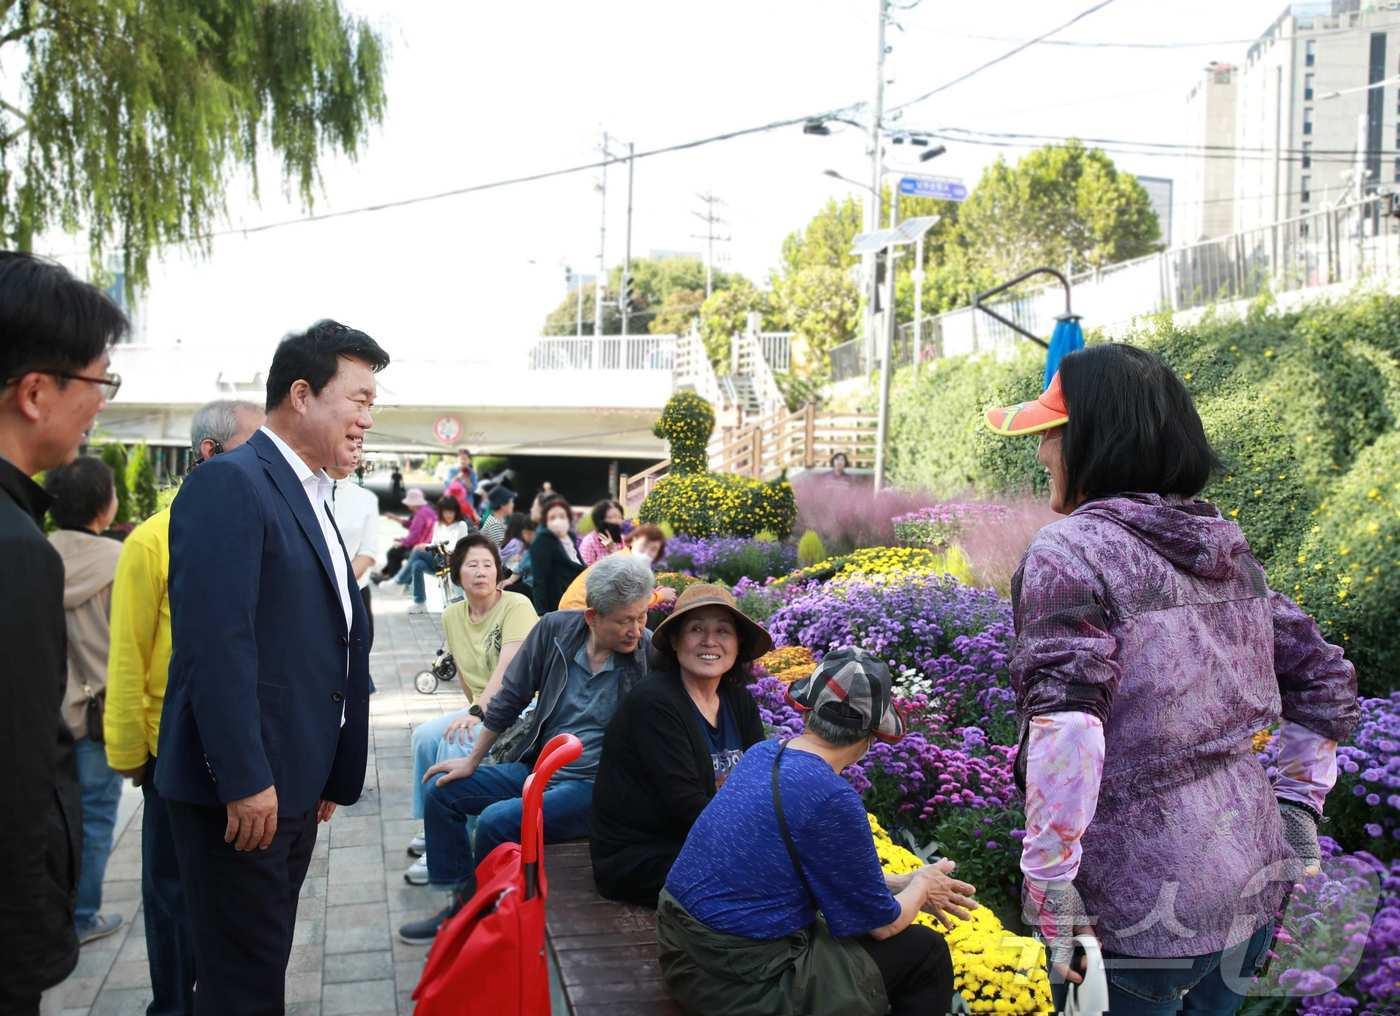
(265, 725)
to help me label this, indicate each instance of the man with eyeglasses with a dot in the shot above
(55, 332)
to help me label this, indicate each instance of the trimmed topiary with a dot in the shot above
(720, 504)
(810, 549)
(687, 422)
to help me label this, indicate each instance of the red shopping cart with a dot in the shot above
(490, 957)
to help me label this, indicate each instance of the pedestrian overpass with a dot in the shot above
(576, 397)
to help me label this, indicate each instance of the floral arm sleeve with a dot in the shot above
(1064, 765)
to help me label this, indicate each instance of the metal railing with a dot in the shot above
(777, 350)
(1328, 247)
(605, 352)
(691, 368)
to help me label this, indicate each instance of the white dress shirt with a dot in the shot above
(357, 518)
(317, 486)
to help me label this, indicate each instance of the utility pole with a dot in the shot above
(627, 253)
(876, 170)
(711, 220)
(600, 281)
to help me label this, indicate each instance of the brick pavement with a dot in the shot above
(345, 958)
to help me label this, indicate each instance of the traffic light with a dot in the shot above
(880, 268)
(627, 296)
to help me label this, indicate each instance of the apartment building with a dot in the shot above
(1207, 206)
(1309, 132)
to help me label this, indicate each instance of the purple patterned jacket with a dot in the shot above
(1152, 614)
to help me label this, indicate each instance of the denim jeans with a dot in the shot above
(102, 789)
(169, 947)
(429, 748)
(492, 793)
(420, 563)
(1188, 984)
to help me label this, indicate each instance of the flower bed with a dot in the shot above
(938, 526)
(993, 969)
(884, 564)
(730, 559)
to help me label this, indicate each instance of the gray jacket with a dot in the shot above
(541, 667)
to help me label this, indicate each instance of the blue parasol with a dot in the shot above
(1067, 338)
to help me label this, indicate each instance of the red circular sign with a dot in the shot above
(447, 429)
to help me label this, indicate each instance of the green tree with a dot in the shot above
(664, 288)
(726, 312)
(1060, 206)
(677, 311)
(141, 483)
(826, 240)
(129, 118)
(115, 456)
(821, 306)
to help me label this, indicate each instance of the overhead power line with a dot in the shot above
(1172, 146)
(511, 181)
(1005, 56)
(1117, 44)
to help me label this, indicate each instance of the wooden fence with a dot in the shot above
(783, 442)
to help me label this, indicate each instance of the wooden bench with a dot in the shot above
(604, 952)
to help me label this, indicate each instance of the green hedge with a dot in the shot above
(721, 504)
(1347, 571)
(936, 430)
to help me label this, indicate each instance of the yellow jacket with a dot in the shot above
(138, 660)
(576, 596)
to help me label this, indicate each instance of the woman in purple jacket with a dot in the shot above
(1149, 651)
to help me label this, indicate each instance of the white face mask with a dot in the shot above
(559, 527)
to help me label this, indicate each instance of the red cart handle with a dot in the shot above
(559, 752)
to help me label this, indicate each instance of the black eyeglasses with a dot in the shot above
(113, 380)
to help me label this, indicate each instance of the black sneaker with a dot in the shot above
(424, 931)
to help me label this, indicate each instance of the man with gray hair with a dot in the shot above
(580, 664)
(138, 659)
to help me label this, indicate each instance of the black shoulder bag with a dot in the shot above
(783, 826)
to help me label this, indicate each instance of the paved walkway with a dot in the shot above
(345, 958)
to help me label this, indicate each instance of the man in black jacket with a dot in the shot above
(54, 335)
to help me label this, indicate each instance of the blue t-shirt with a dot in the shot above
(585, 707)
(726, 748)
(734, 873)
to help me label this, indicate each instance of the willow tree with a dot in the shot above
(127, 119)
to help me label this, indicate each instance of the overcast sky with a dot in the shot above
(481, 91)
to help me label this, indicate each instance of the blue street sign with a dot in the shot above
(942, 187)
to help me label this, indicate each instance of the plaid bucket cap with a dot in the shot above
(851, 688)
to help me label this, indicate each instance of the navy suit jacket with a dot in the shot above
(258, 673)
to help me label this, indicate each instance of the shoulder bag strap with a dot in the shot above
(783, 826)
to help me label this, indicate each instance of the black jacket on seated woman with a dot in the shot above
(672, 741)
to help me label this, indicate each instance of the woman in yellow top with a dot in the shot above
(647, 542)
(483, 632)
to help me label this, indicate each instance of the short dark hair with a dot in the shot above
(464, 451)
(49, 320)
(556, 500)
(1132, 426)
(314, 356)
(600, 512)
(459, 554)
(81, 491)
(839, 455)
(517, 524)
(447, 503)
